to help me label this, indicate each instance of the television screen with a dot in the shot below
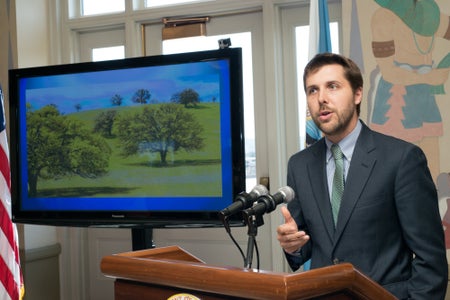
(151, 141)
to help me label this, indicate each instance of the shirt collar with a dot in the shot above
(347, 144)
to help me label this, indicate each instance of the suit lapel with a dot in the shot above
(358, 176)
(318, 177)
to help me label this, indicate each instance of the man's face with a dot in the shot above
(331, 101)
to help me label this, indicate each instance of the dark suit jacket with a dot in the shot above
(388, 226)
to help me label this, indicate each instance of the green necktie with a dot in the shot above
(338, 181)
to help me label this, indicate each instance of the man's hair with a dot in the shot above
(351, 70)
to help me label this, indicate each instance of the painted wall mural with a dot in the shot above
(408, 76)
(409, 94)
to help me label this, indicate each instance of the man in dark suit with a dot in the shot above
(387, 224)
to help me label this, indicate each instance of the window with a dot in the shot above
(156, 3)
(108, 53)
(95, 7)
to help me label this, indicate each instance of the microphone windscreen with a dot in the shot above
(260, 190)
(288, 193)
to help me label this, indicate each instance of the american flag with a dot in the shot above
(11, 282)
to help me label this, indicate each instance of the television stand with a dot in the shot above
(142, 238)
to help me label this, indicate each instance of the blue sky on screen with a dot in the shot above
(94, 90)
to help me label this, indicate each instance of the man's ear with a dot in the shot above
(358, 95)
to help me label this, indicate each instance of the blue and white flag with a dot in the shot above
(319, 42)
(319, 28)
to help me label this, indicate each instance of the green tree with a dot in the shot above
(161, 129)
(187, 97)
(103, 123)
(58, 146)
(175, 98)
(141, 96)
(117, 100)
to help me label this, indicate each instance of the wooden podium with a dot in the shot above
(172, 273)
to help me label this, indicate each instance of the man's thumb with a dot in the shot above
(286, 214)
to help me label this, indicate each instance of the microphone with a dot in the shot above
(244, 200)
(268, 203)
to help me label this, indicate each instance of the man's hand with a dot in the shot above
(290, 238)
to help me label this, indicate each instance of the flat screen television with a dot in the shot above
(153, 141)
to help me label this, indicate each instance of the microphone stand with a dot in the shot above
(253, 222)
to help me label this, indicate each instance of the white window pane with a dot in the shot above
(95, 7)
(238, 40)
(108, 53)
(302, 49)
(156, 3)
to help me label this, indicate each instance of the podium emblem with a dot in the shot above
(183, 297)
